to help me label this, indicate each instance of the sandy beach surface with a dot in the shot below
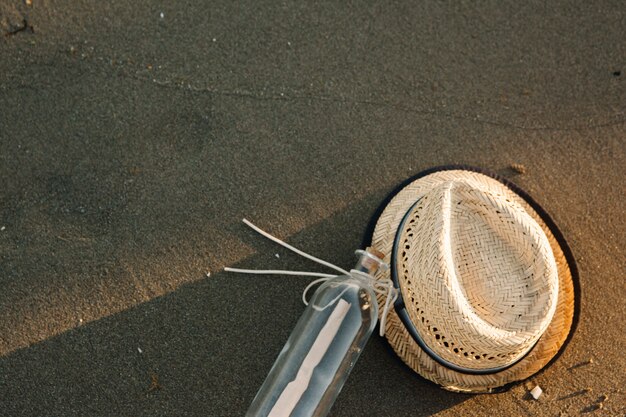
(135, 136)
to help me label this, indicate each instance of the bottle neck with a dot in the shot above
(370, 261)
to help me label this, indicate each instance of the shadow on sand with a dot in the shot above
(205, 348)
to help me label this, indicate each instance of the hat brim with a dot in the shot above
(381, 236)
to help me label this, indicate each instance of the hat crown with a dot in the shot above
(477, 274)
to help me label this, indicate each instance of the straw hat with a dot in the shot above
(486, 283)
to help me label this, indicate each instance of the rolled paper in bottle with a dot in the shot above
(295, 389)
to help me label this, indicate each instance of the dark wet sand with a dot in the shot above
(131, 145)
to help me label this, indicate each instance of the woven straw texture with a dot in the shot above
(482, 277)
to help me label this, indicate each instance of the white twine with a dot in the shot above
(382, 287)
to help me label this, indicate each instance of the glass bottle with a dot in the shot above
(315, 362)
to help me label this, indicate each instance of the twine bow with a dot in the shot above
(380, 286)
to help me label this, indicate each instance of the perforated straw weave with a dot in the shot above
(488, 294)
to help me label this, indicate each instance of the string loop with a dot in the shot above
(383, 287)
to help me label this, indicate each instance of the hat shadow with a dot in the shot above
(205, 348)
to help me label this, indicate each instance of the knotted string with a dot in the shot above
(381, 286)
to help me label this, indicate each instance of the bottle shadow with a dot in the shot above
(206, 348)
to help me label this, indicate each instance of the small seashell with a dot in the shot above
(536, 392)
(519, 168)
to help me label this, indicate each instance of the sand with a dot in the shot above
(135, 136)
